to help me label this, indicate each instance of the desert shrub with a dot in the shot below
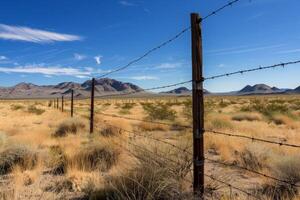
(72, 125)
(57, 161)
(50, 104)
(16, 107)
(253, 157)
(159, 111)
(95, 157)
(219, 123)
(110, 131)
(125, 108)
(268, 109)
(144, 126)
(13, 156)
(187, 109)
(152, 178)
(246, 117)
(34, 110)
(224, 103)
(286, 168)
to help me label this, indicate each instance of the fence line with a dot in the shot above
(206, 158)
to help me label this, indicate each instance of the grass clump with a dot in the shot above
(20, 156)
(159, 111)
(253, 157)
(57, 161)
(246, 117)
(95, 157)
(286, 168)
(152, 178)
(220, 123)
(108, 131)
(16, 107)
(34, 110)
(72, 126)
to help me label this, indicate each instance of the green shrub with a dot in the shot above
(159, 111)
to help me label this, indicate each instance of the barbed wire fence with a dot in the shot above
(197, 154)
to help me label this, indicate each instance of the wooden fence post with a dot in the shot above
(198, 106)
(62, 103)
(72, 103)
(92, 106)
(57, 103)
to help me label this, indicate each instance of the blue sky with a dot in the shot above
(47, 42)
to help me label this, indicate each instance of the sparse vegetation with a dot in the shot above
(71, 126)
(34, 110)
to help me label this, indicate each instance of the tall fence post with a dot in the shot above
(57, 103)
(198, 106)
(92, 106)
(72, 103)
(62, 103)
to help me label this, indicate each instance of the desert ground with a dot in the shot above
(46, 154)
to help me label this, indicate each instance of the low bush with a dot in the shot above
(159, 111)
(95, 157)
(108, 131)
(34, 110)
(57, 161)
(246, 117)
(13, 156)
(16, 107)
(72, 125)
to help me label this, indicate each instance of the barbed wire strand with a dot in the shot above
(167, 41)
(147, 89)
(141, 120)
(208, 159)
(253, 69)
(252, 138)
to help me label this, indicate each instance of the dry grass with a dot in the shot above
(95, 166)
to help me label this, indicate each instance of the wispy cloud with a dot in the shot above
(79, 57)
(243, 49)
(168, 65)
(47, 70)
(144, 78)
(221, 65)
(98, 59)
(3, 58)
(27, 34)
(289, 51)
(126, 3)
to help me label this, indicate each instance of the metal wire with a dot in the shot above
(253, 69)
(252, 138)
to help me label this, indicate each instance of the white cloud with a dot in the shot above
(3, 58)
(221, 65)
(126, 3)
(289, 51)
(98, 59)
(27, 34)
(144, 78)
(168, 65)
(47, 71)
(79, 57)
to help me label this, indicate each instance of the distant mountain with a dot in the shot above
(102, 86)
(259, 89)
(182, 90)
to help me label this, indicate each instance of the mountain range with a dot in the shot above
(102, 86)
(111, 86)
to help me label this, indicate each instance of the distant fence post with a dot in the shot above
(92, 106)
(198, 106)
(72, 102)
(57, 103)
(62, 103)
